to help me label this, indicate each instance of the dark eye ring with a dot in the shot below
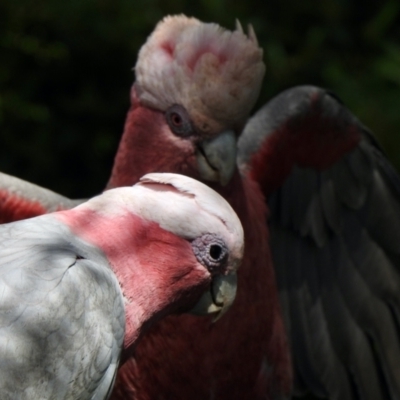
(179, 121)
(211, 251)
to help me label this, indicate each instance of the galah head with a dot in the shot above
(204, 79)
(200, 215)
(212, 73)
(194, 212)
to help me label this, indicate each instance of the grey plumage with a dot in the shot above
(335, 241)
(62, 317)
(49, 200)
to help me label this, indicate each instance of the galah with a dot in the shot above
(78, 288)
(328, 188)
(333, 200)
(195, 86)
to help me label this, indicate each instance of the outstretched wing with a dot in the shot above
(20, 200)
(61, 314)
(334, 204)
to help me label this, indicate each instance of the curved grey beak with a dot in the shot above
(219, 298)
(216, 158)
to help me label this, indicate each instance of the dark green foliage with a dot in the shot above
(65, 72)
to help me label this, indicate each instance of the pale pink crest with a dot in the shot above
(216, 74)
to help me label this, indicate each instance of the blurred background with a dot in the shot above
(66, 72)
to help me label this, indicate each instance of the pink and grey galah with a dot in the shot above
(78, 288)
(320, 207)
(318, 303)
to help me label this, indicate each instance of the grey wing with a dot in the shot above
(335, 241)
(61, 314)
(20, 199)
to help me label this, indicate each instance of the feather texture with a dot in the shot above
(334, 240)
(79, 287)
(61, 314)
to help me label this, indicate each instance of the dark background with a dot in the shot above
(66, 72)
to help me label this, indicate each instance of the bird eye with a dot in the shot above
(176, 119)
(215, 251)
(211, 251)
(179, 121)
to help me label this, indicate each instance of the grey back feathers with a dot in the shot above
(62, 317)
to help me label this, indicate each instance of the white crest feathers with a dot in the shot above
(216, 74)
